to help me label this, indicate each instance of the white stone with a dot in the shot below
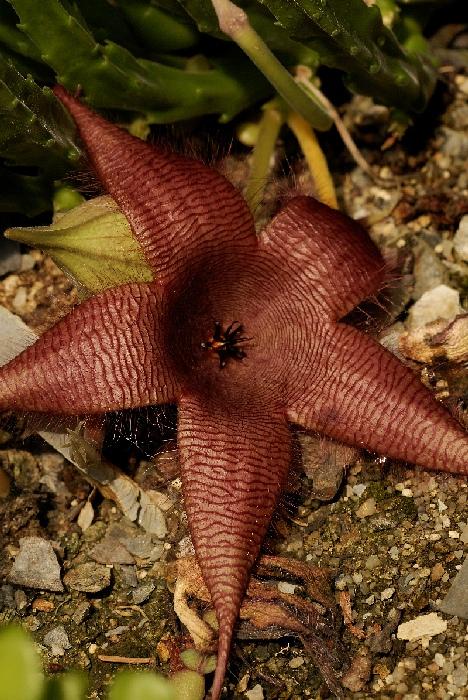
(422, 626)
(57, 641)
(256, 693)
(286, 587)
(367, 508)
(440, 302)
(387, 594)
(460, 241)
(296, 662)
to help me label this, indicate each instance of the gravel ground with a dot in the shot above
(393, 538)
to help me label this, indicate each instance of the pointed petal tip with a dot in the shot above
(226, 626)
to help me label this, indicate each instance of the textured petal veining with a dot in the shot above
(234, 465)
(107, 354)
(178, 207)
(357, 392)
(329, 256)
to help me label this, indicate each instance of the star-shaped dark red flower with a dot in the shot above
(244, 334)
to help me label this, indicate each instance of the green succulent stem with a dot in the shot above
(234, 22)
(159, 30)
(112, 77)
(263, 151)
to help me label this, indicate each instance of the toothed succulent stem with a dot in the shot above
(234, 22)
(112, 77)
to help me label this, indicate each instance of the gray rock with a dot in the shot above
(88, 577)
(57, 641)
(456, 600)
(140, 546)
(111, 551)
(429, 271)
(10, 256)
(36, 565)
(143, 592)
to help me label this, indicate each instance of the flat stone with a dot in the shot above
(129, 577)
(140, 546)
(367, 508)
(324, 462)
(57, 641)
(36, 565)
(142, 593)
(151, 517)
(456, 600)
(88, 577)
(422, 626)
(81, 612)
(111, 551)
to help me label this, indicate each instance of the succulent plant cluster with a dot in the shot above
(160, 61)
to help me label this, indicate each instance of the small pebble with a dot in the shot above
(387, 594)
(255, 694)
(296, 662)
(372, 562)
(57, 641)
(142, 593)
(422, 626)
(36, 565)
(88, 577)
(367, 508)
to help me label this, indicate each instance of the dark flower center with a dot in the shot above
(226, 343)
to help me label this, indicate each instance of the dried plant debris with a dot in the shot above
(272, 610)
(437, 341)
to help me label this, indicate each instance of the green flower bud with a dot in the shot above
(92, 243)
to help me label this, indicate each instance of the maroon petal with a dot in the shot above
(360, 394)
(178, 207)
(234, 463)
(107, 354)
(328, 254)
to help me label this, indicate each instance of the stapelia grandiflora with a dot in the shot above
(244, 334)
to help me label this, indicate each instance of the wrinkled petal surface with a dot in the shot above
(234, 464)
(179, 209)
(107, 354)
(333, 265)
(357, 392)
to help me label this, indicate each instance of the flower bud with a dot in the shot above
(92, 243)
